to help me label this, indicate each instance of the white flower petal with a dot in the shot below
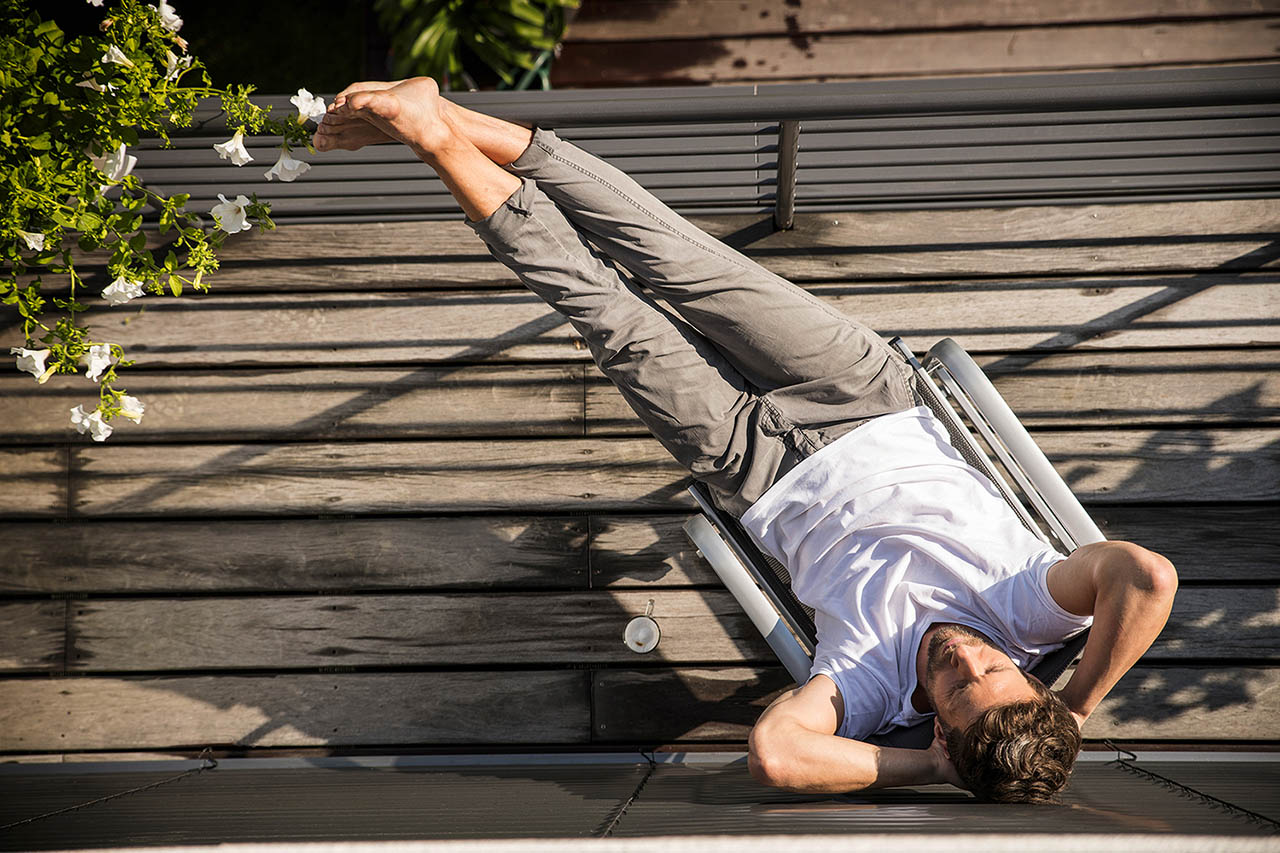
(35, 242)
(231, 215)
(116, 55)
(91, 83)
(131, 408)
(286, 168)
(30, 360)
(99, 428)
(80, 419)
(309, 106)
(95, 3)
(121, 291)
(168, 19)
(98, 359)
(234, 149)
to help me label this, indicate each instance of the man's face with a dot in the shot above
(967, 674)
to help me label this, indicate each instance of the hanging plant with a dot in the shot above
(450, 40)
(69, 110)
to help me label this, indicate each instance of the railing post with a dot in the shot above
(784, 210)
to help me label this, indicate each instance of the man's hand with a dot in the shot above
(943, 768)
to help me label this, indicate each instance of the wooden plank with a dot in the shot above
(33, 636)
(1151, 702)
(301, 555)
(376, 477)
(497, 552)
(1005, 241)
(1220, 703)
(1117, 466)
(155, 635)
(378, 709)
(1112, 466)
(1240, 623)
(268, 331)
(34, 482)
(1071, 390)
(645, 550)
(619, 20)
(838, 55)
(1243, 541)
(1075, 239)
(685, 704)
(328, 403)
(635, 551)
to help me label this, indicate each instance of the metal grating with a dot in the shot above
(583, 796)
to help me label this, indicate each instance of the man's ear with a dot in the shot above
(940, 734)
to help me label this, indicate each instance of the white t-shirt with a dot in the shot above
(887, 531)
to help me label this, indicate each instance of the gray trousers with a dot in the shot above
(740, 375)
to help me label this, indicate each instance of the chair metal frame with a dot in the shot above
(955, 389)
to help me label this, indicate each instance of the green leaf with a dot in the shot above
(138, 242)
(175, 285)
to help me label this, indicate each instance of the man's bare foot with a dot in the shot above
(409, 111)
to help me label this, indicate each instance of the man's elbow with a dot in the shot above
(1148, 572)
(1156, 575)
(766, 758)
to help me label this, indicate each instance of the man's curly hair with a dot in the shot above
(1021, 752)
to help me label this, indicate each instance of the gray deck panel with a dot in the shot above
(684, 800)
(314, 804)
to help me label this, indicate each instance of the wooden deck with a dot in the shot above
(665, 42)
(381, 499)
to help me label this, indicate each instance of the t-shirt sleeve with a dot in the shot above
(1035, 617)
(865, 702)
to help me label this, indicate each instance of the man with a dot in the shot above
(930, 595)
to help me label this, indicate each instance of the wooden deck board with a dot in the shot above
(1207, 543)
(1068, 390)
(377, 709)
(1195, 703)
(1116, 466)
(1064, 240)
(275, 330)
(781, 56)
(535, 707)
(620, 20)
(491, 629)
(295, 555)
(153, 635)
(33, 636)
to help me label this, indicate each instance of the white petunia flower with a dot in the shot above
(233, 148)
(91, 422)
(95, 3)
(98, 360)
(173, 66)
(114, 165)
(286, 168)
(309, 106)
(231, 214)
(131, 408)
(116, 55)
(91, 82)
(35, 242)
(168, 19)
(32, 361)
(121, 291)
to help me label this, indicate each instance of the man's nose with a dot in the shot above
(966, 660)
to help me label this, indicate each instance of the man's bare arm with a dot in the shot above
(1129, 591)
(794, 746)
